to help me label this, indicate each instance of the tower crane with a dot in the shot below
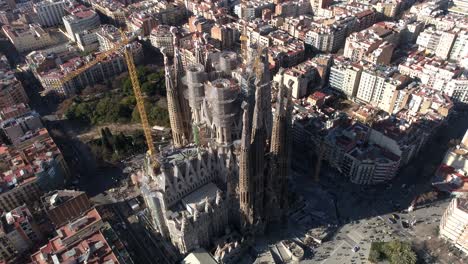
(136, 90)
(140, 102)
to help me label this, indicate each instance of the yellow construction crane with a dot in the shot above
(136, 89)
(140, 102)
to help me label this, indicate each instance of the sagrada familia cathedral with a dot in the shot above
(227, 165)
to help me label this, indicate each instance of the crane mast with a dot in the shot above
(140, 102)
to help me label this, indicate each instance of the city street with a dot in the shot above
(364, 212)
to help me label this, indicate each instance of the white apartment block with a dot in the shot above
(370, 165)
(345, 77)
(252, 9)
(454, 224)
(326, 39)
(459, 6)
(460, 46)
(50, 12)
(432, 71)
(27, 37)
(87, 40)
(438, 42)
(79, 20)
(372, 83)
(457, 89)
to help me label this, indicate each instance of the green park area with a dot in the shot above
(105, 105)
(393, 252)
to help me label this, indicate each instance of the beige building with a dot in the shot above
(302, 75)
(27, 37)
(345, 76)
(112, 10)
(161, 37)
(389, 8)
(437, 42)
(375, 44)
(454, 224)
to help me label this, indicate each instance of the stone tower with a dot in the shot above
(246, 185)
(174, 108)
(277, 200)
(179, 71)
(257, 157)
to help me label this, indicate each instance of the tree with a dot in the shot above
(127, 87)
(148, 88)
(401, 253)
(159, 116)
(155, 77)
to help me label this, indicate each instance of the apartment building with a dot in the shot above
(370, 164)
(388, 8)
(326, 38)
(27, 37)
(16, 128)
(87, 41)
(20, 228)
(50, 12)
(459, 49)
(374, 81)
(345, 76)
(113, 11)
(285, 51)
(405, 133)
(223, 36)
(87, 239)
(163, 12)
(142, 22)
(437, 42)
(19, 233)
(13, 111)
(454, 224)
(293, 8)
(11, 90)
(345, 144)
(161, 37)
(110, 66)
(432, 71)
(319, 4)
(375, 44)
(35, 165)
(303, 75)
(457, 89)
(460, 7)
(64, 206)
(80, 18)
(253, 9)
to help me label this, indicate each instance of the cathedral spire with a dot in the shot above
(178, 74)
(178, 65)
(245, 177)
(173, 105)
